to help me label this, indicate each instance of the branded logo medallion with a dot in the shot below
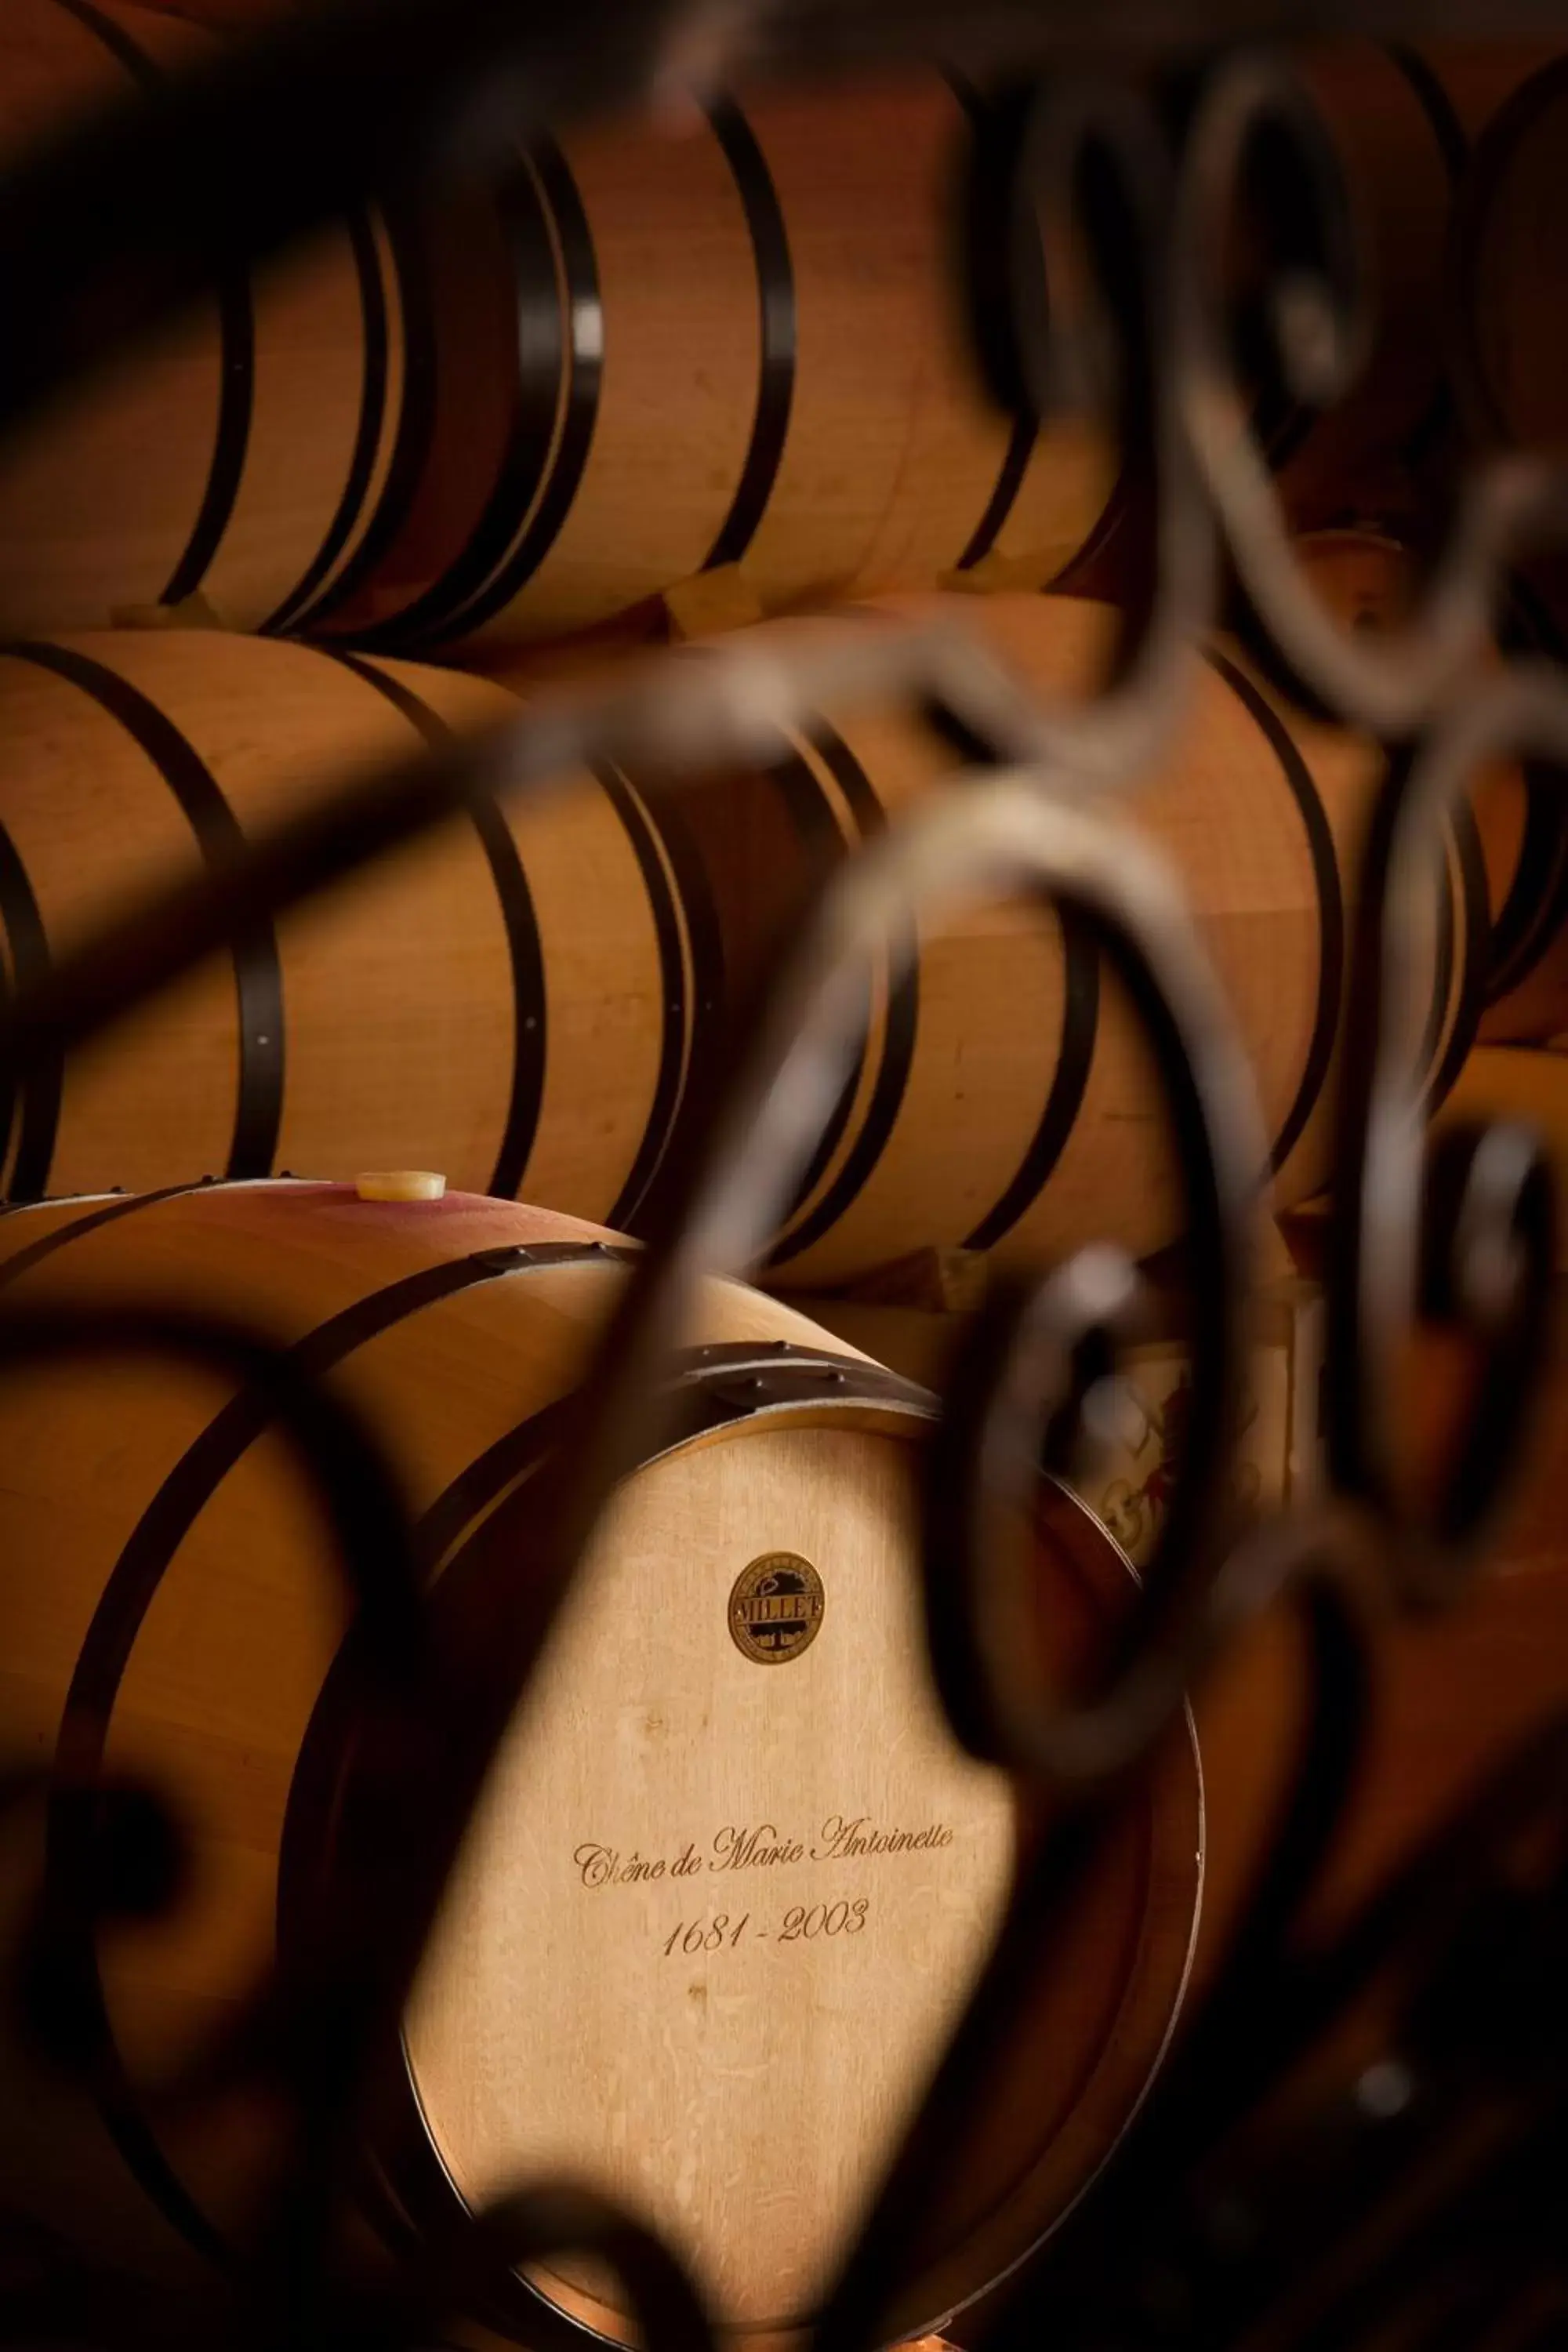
(776, 1608)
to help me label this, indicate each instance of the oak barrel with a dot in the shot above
(1527, 987)
(1370, 580)
(533, 999)
(1452, 1693)
(1452, 1699)
(1003, 1100)
(512, 1000)
(250, 454)
(1403, 118)
(1511, 247)
(1507, 354)
(732, 1875)
(742, 343)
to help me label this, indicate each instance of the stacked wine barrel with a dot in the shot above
(647, 378)
(536, 999)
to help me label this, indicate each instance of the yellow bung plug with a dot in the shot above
(401, 1184)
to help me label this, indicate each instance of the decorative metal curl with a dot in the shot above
(1435, 660)
(977, 1569)
(1092, 169)
(1471, 1240)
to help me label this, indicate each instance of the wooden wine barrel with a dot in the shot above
(1003, 1100)
(1453, 1694)
(512, 1000)
(1452, 1699)
(745, 344)
(731, 1875)
(251, 455)
(1511, 252)
(1526, 989)
(1506, 356)
(1403, 118)
(1518, 806)
(533, 999)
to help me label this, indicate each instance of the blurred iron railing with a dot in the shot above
(1220, 2222)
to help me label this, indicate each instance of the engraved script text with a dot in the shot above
(843, 1837)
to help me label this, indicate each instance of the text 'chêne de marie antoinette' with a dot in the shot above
(843, 1837)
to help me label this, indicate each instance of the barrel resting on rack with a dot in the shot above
(729, 1836)
(534, 998)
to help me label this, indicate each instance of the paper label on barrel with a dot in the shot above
(712, 1924)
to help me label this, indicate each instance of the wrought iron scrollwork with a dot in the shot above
(96, 239)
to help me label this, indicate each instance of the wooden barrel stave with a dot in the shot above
(330, 349)
(744, 345)
(239, 457)
(887, 396)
